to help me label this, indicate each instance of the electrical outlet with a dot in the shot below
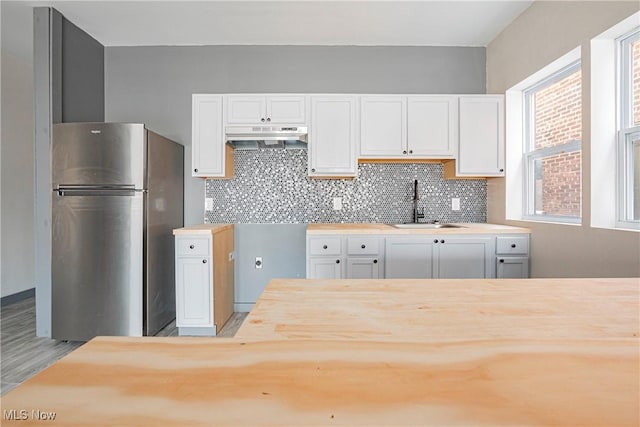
(208, 204)
(258, 262)
(337, 203)
(455, 204)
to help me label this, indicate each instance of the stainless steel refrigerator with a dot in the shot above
(117, 196)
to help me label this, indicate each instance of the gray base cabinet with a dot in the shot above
(422, 256)
(439, 257)
(409, 257)
(465, 257)
(509, 267)
(363, 268)
(329, 267)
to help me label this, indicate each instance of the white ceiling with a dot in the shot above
(364, 23)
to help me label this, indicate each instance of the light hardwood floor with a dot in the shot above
(22, 354)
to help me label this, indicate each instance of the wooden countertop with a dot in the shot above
(366, 228)
(227, 382)
(446, 310)
(202, 229)
(353, 352)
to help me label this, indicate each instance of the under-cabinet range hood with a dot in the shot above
(254, 137)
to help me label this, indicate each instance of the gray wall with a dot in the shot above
(282, 248)
(153, 85)
(16, 169)
(69, 86)
(82, 75)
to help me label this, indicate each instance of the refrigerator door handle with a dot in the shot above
(90, 190)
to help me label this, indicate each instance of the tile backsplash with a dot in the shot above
(272, 186)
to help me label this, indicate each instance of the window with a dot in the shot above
(629, 130)
(552, 162)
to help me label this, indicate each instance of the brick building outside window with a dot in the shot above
(553, 154)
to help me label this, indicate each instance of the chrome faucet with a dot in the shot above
(418, 214)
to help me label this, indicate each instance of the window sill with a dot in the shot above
(577, 222)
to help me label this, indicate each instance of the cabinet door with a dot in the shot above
(383, 121)
(332, 137)
(432, 123)
(409, 258)
(481, 139)
(194, 292)
(460, 258)
(207, 140)
(246, 109)
(286, 109)
(325, 268)
(512, 267)
(363, 268)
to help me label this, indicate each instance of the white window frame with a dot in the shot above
(627, 132)
(530, 155)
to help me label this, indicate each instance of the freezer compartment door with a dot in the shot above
(107, 154)
(97, 264)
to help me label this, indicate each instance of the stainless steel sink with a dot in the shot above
(426, 226)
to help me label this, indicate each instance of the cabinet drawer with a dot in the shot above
(198, 246)
(325, 246)
(512, 245)
(362, 245)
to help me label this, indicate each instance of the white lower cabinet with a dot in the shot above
(419, 256)
(439, 256)
(324, 268)
(509, 267)
(409, 257)
(512, 256)
(194, 293)
(204, 280)
(464, 257)
(363, 268)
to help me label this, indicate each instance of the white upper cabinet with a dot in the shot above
(432, 126)
(383, 130)
(210, 157)
(332, 136)
(416, 126)
(481, 140)
(259, 109)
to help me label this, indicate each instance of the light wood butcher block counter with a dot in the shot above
(203, 229)
(367, 353)
(367, 228)
(444, 310)
(226, 382)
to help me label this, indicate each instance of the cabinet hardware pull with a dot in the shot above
(268, 119)
(501, 170)
(513, 245)
(442, 241)
(262, 119)
(313, 170)
(410, 151)
(363, 246)
(337, 261)
(324, 246)
(191, 246)
(501, 260)
(435, 241)
(195, 170)
(404, 151)
(204, 261)
(375, 261)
